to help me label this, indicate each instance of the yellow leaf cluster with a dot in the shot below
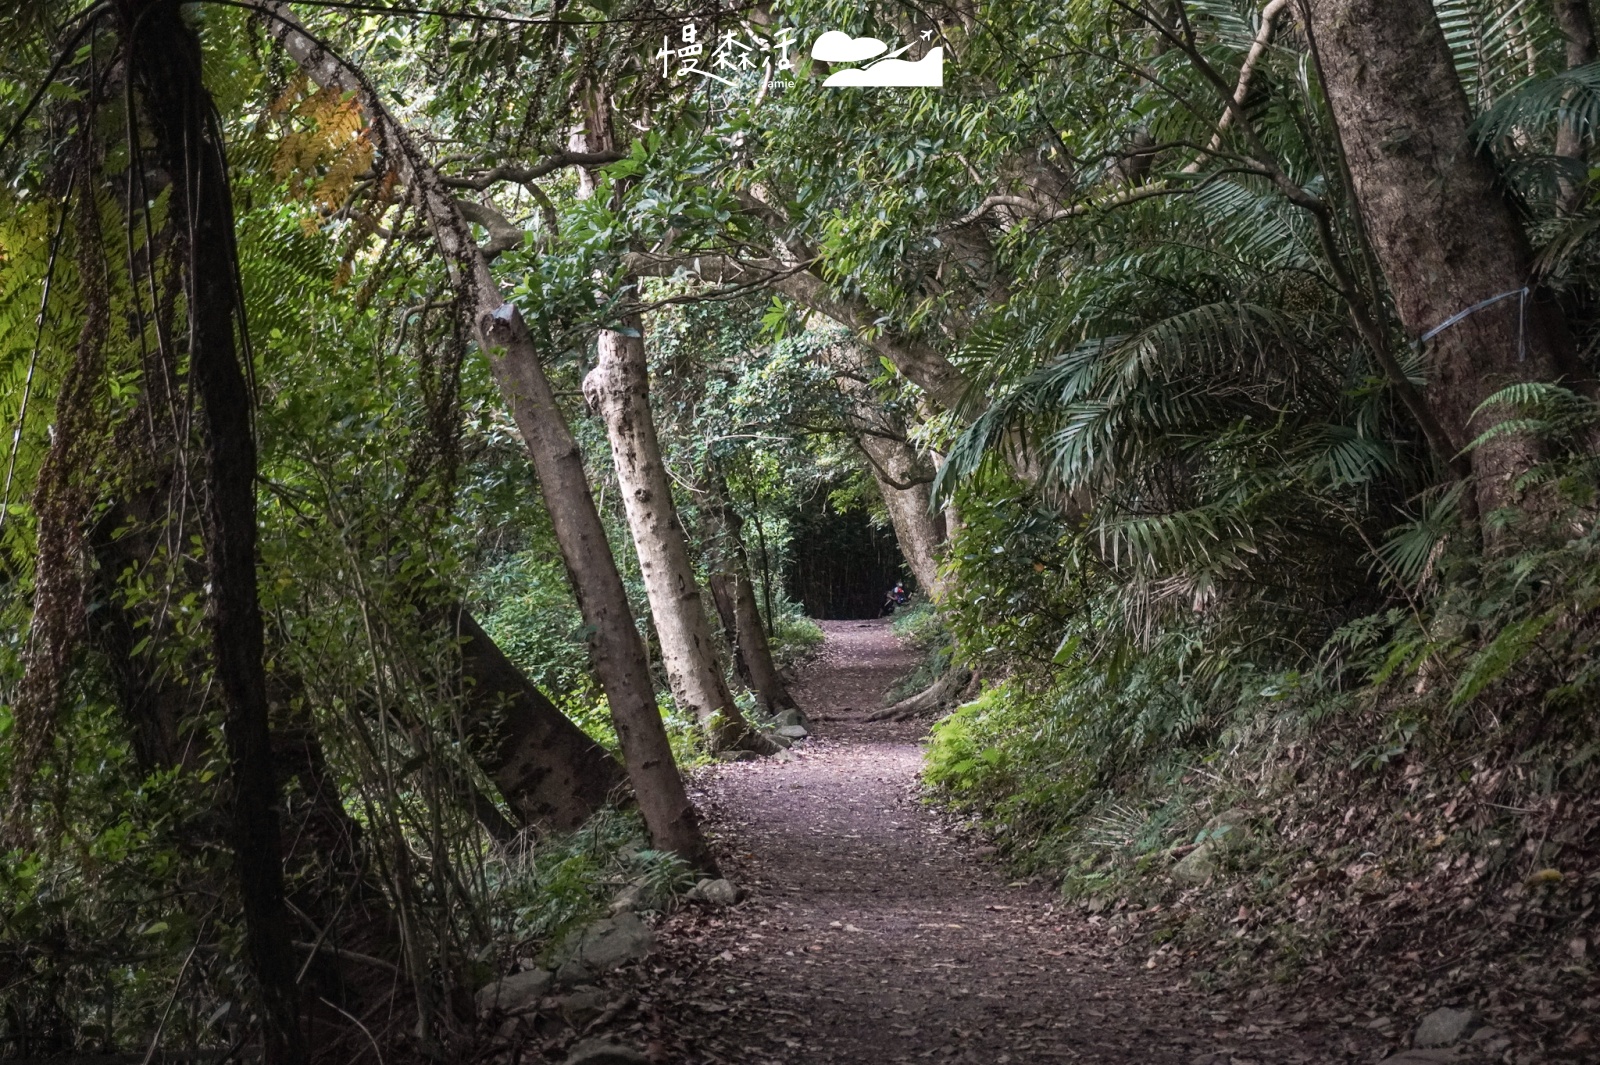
(326, 147)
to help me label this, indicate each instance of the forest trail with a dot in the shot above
(875, 933)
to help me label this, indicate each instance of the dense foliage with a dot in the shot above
(1100, 333)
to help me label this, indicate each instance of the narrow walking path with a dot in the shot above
(875, 933)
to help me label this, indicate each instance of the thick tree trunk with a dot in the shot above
(1577, 26)
(903, 478)
(618, 388)
(327, 879)
(1444, 237)
(735, 598)
(546, 767)
(905, 486)
(615, 647)
(165, 66)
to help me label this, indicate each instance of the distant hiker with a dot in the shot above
(894, 597)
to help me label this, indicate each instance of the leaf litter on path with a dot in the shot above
(874, 934)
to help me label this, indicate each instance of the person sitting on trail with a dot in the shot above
(895, 597)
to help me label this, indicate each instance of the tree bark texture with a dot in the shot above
(735, 598)
(165, 66)
(905, 486)
(901, 475)
(616, 649)
(618, 388)
(550, 771)
(1444, 236)
(1577, 26)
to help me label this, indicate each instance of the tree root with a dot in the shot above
(942, 693)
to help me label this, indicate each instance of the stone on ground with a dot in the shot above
(581, 1005)
(517, 993)
(1443, 1027)
(793, 732)
(602, 947)
(716, 892)
(791, 716)
(1198, 865)
(638, 895)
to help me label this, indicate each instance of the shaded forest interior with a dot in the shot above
(437, 436)
(840, 564)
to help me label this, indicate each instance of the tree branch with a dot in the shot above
(526, 174)
(503, 236)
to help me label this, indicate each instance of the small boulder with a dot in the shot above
(778, 739)
(716, 892)
(791, 716)
(602, 947)
(636, 896)
(1229, 824)
(793, 732)
(737, 756)
(604, 1052)
(517, 993)
(1198, 865)
(581, 1006)
(1443, 1027)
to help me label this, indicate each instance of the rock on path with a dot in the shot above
(874, 934)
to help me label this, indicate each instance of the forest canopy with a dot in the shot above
(432, 431)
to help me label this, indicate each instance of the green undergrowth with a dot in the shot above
(1410, 807)
(794, 636)
(924, 628)
(539, 889)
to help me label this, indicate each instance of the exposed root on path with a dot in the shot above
(940, 695)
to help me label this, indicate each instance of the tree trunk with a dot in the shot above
(546, 767)
(1444, 237)
(615, 646)
(904, 485)
(1577, 26)
(165, 65)
(735, 598)
(901, 475)
(619, 389)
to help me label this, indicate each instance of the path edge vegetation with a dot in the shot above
(1240, 430)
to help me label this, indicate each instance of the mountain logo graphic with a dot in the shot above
(836, 47)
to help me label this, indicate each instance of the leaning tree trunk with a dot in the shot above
(735, 598)
(900, 474)
(548, 769)
(1445, 238)
(616, 649)
(165, 67)
(619, 389)
(904, 485)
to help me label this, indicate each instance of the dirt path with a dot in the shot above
(875, 934)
